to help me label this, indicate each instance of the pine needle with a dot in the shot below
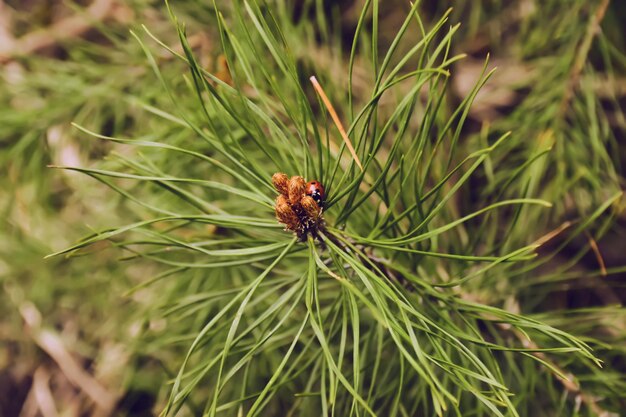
(335, 118)
(596, 252)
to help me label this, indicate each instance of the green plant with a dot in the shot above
(404, 303)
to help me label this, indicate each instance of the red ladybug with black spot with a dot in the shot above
(316, 191)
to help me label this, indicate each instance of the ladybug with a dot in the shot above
(316, 191)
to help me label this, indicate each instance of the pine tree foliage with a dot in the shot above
(425, 291)
(390, 280)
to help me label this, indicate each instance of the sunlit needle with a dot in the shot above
(333, 115)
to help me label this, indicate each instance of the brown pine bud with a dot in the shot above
(285, 214)
(281, 183)
(296, 189)
(310, 207)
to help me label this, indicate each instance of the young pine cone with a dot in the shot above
(296, 189)
(310, 207)
(285, 214)
(281, 183)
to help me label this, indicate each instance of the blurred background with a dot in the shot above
(74, 341)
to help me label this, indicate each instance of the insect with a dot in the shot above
(315, 190)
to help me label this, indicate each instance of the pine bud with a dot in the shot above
(285, 214)
(310, 207)
(296, 189)
(281, 183)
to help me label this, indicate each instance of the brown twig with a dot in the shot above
(583, 51)
(53, 345)
(596, 251)
(43, 396)
(7, 40)
(64, 29)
